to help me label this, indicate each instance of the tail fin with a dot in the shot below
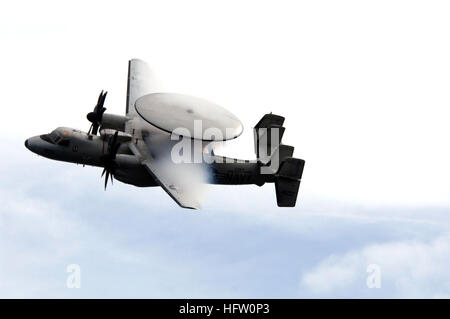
(266, 141)
(268, 148)
(276, 159)
(287, 181)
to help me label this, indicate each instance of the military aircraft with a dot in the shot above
(139, 148)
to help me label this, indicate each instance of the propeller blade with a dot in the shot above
(114, 147)
(106, 179)
(109, 157)
(100, 98)
(95, 117)
(115, 137)
(103, 99)
(94, 128)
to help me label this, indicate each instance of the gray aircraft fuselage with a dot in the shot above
(74, 146)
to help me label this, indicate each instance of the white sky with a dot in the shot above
(364, 87)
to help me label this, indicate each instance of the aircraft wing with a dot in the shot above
(181, 182)
(170, 176)
(179, 193)
(141, 81)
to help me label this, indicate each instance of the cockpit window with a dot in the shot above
(55, 138)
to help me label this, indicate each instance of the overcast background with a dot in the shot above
(364, 87)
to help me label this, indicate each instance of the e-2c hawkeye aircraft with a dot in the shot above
(139, 148)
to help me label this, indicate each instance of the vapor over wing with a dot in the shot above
(184, 182)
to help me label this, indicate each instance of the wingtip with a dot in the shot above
(193, 207)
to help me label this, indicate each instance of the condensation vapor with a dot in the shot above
(192, 178)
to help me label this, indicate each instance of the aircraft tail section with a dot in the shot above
(276, 159)
(268, 133)
(287, 181)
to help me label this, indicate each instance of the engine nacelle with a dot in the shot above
(125, 161)
(122, 137)
(113, 121)
(129, 170)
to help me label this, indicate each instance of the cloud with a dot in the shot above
(409, 269)
(135, 242)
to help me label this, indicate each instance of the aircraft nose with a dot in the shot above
(32, 144)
